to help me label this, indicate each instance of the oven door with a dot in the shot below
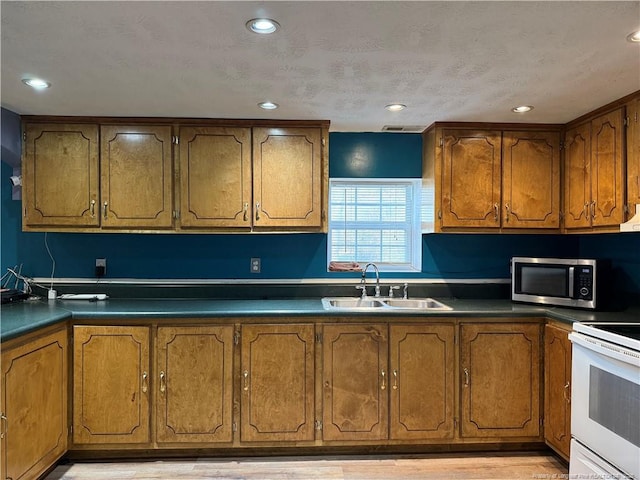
(605, 411)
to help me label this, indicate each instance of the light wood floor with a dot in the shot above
(499, 466)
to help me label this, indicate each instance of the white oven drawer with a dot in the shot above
(586, 464)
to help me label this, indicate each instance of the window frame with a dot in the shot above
(414, 232)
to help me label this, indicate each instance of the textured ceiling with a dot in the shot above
(337, 61)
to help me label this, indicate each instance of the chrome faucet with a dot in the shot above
(363, 281)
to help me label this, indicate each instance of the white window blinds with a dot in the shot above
(375, 221)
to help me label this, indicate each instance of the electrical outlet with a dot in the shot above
(101, 267)
(255, 265)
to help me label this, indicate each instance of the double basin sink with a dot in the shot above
(354, 304)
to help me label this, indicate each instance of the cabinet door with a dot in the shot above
(355, 381)
(111, 384)
(287, 177)
(34, 402)
(500, 370)
(633, 155)
(471, 178)
(277, 378)
(136, 176)
(421, 381)
(531, 179)
(215, 177)
(607, 183)
(194, 384)
(577, 180)
(557, 389)
(60, 172)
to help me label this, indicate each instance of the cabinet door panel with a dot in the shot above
(215, 172)
(60, 175)
(471, 179)
(277, 375)
(557, 388)
(355, 381)
(194, 384)
(531, 179)
(577, 182)
(136, 176)
(500, 366)
(34, 401)
(287, 177)
(633, 155)
(111, 384)
(421, 381)
(607, 184)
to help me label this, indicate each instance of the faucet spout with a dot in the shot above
(364, 277)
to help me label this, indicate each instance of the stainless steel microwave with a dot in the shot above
(567, 282)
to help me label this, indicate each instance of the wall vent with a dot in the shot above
(404, 128)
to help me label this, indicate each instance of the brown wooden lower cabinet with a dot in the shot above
(277, 383)
(500, 374)
(34, 405)
(557, 389)
(194, 384)
(396, 384)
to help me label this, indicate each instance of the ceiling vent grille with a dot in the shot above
(404, 128)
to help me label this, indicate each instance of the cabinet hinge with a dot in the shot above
(455, 422)
(561, 213)
(324, 141)
(318, 338)
(175, 140)
(25, 212)
(234, 427)
(542, 421)
(439, 214)
(176, 214)
(561, 145)
(635, 117)
(24, 136)
(319, 425)
(71, 429)
(626, 121)
(441, 142)
(625, 209)
(236, 338)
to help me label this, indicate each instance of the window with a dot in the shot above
(375, 220)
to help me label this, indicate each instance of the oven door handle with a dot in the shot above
(606, 349)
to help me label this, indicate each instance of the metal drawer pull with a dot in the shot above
(245, 210)
(496, 211)
(163, 382)
(145, 383)
(257, 211)
(395, 380)
(246, 380)
(466, 377)
(383, 386)
(93, 208)
(507, 209)
(104, 210)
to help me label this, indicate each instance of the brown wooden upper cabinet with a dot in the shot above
(271, 178)
(633, 155)
(61, 176)
(493, 179)
(593, 179)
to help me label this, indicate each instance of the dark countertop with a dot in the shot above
(20, 318)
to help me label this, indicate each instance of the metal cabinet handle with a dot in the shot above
(257, 211)
(496, 211)
(383, 386)
(466, 377)
(395, 380)
(508, 211)
(246, 380)
(593, 210)
(93, 209)
(245, 210)
(145, 382)
(163, 382)
(104, 210)
(565, 393)
(586, 210)
(5, 425)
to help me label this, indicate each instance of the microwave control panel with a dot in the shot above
(584, 282)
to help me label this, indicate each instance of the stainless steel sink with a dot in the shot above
(416, 303)
(354, 304)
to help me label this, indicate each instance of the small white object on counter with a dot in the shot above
(84, 296)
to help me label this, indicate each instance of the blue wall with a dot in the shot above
(296, 255)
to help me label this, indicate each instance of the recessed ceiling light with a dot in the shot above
(634, 37)
(395, 107)
(36, 83)
(268, 105)
(522, 109)
(262, 25)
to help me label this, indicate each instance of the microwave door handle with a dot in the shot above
(571, 281)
